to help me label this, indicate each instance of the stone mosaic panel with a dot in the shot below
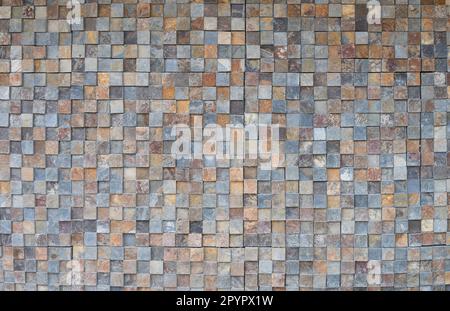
(92, 198)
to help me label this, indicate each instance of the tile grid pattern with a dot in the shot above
(90, 197)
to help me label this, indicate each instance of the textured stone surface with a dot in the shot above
(90, 197)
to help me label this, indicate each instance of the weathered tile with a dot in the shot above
(90, 187)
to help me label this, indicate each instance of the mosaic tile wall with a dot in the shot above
(90, 197)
